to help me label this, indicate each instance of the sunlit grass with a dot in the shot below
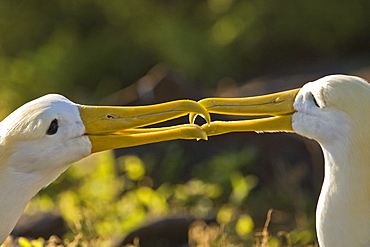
(103, 199)
(200, 235)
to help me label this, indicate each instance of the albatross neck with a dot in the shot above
(14, 198)
(343, 210)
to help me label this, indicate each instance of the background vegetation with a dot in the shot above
(89, 49)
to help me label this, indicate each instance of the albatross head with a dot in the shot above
(39, 141)
(43, 136)
(53, 131)
(332, 109)
(335, 111)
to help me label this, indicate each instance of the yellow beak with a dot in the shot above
(115, 127)
(278, 105)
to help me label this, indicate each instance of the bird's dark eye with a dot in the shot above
(314, 100)
(53, 128)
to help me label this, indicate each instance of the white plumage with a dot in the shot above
(31, 159)
(341, 125)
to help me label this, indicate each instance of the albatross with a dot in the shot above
(334, 111)
(40, 140)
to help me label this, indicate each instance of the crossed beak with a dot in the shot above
(118, 127)
(278, 106)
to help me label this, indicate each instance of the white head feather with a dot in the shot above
(30, 157)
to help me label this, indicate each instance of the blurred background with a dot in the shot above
(134, 52)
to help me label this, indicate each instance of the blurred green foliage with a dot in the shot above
(103, 199)
(104, 203)
(87, 49)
